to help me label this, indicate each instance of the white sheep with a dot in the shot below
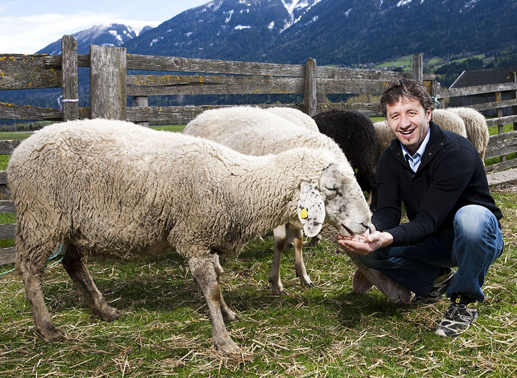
(449, 121)
(255, 132)
(104, 187)
(295, 116)
(384, 135)
(476, 128)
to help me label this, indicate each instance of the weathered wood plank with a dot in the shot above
(7, 207)
(27, 72)
(493, 105)
(108, 97)
(351, 74)
(28, 113)
(370, 109)
(501, 120)
(52, 61)
(501, 148)
(501, 166)
(3, 178)
(7, 146)
(7, 231)
(468, 91)
(8, 255)
(70, 99)
(150, 85)
(356, 86)
(176, 64)
(503, 136)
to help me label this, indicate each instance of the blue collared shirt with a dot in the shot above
(414, 161)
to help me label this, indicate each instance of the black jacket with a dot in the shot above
(450, 176)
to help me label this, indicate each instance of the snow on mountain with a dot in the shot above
(113, 35)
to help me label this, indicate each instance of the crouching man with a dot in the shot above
(453, 219)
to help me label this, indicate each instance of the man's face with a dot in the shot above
(408, 120)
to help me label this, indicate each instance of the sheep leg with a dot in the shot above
(204, 274)
(74, 266)
(299, 265)
(280, 237)
(228, 315)
(31, 266)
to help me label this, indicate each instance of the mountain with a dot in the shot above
(114, 35)
(332, 31)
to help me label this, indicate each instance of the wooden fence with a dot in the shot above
(111, 85)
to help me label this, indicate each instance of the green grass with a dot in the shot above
(322, 331)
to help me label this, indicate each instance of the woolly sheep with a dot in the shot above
(254, 131)
(114, 188)
(449, 121)
(476, 128)
(295, 116)
(384, 135)
(355, 134)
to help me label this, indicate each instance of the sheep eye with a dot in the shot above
(333, 188)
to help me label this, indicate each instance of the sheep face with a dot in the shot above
(346, 207)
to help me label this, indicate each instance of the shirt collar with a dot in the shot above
(421, 149)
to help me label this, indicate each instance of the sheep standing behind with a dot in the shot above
(355, 134)
(449, 121)
(256, 132)
(476, 128)
(295, 116)
(384, 135)
(104, 187)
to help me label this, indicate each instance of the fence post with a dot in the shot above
(70, 94)
(108, 82)
(141, 101)
(513, 79)
(310, 99)
(418, 67)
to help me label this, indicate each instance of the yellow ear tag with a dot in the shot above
(303, 214)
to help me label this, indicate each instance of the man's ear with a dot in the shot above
(311, 209)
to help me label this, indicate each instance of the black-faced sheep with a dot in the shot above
(104, 187)
(257, 132)
(355, 134)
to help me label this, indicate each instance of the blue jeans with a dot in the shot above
(474, 243)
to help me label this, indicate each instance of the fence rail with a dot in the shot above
(116, 75)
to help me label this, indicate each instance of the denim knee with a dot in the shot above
(475, 222)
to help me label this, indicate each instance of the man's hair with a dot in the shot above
(405, 88)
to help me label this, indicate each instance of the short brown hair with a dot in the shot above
(405, 88)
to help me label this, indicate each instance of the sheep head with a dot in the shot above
(345, 205)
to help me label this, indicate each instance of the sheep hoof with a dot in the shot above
(230, 317)
(228, 347)
(52, 334)
(109, 315)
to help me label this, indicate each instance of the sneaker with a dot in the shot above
(441, 285)
(457, 319)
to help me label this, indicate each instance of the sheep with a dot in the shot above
(355, 134)
(384, 135)
(449, 121)
(254, 131)
(295, 116)
(476, 128)
(104, 187)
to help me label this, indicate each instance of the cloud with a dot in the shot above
(28, 34)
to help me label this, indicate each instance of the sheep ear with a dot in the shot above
(311, 209)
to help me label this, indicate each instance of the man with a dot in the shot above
(453, 219)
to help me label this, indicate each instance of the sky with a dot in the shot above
(27, 26)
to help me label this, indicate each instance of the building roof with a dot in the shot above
(483, 77)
